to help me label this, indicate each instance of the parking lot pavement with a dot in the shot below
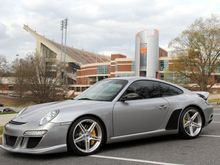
(165, 150)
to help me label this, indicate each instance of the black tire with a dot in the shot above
(77, 148)
(185, 131)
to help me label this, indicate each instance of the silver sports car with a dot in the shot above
(112, 110)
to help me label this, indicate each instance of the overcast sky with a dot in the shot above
(100, 26)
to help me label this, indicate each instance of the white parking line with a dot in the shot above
(132, 160)
(216, 114)
(215, 136)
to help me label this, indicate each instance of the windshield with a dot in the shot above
(105, 90)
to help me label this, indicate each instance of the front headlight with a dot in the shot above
(50, 116)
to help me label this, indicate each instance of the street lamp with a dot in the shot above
(20, 78)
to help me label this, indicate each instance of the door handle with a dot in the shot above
(164, 106)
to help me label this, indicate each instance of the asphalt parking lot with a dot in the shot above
(164, 150)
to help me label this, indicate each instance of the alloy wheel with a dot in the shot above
(87, 135)
(192, 122)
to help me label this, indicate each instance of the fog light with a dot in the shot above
(35, 133)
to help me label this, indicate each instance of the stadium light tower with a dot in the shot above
(64, 24)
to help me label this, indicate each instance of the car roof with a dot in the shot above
(133, 78)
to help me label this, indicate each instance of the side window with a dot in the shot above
(144, 89)
(169, 90)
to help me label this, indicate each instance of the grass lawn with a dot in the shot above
(1, 130)
(7, 113)
(15, 102)
(214, 101)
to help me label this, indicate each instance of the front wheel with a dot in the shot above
(85, 136)
(190, 124)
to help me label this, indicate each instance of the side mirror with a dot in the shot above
(123, 99)
(130, 96)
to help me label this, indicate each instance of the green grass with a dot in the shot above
(7, 113)
(15, 102)
(1, 130)
(214, 101)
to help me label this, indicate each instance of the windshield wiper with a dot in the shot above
(84, 98)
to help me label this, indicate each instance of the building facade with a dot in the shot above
(63, 61)
(88, 74)
(7, 85)
(82, 68)
(147, 53)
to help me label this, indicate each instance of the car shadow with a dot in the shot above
(40, 157)
(106, 148)
(141, 142)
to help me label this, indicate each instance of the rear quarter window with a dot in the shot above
(169, 90)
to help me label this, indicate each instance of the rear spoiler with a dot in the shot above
(202, 94)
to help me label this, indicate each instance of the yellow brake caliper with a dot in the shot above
(184, 120)
(93, 134)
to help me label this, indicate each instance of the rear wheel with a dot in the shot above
(85, 136)
(190, 124)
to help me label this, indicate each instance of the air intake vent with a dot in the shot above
(16, 122)
(10, 140)
(33, 142)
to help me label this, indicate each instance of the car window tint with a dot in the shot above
(169, 90)
(145, 89)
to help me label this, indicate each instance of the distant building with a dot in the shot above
(7, 84)
(89, 74)
(150, 59)
(56, 56)
(147, 53)
(83, 68)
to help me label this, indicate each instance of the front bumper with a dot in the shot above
(53, 141)
(48, 150)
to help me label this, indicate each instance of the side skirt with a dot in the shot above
(140, 135)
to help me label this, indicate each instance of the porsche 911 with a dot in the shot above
(112, 110)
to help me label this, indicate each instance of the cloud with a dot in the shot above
(3, 32)
(98, 25)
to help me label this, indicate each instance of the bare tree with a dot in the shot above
(37, 79)
(197, 52)
(42, 81)
(3, 65)
(19, 69)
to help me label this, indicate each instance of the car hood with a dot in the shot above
(37, 112)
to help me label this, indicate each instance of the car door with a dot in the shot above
(144, 111)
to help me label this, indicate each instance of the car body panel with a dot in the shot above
(140, 115)
(122, 121)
